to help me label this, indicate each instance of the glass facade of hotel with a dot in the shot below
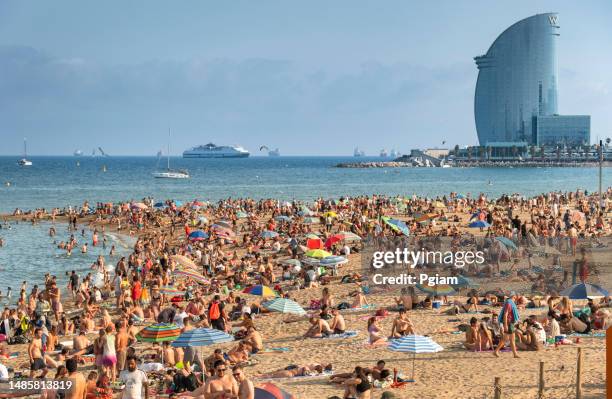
(517, 80)
(569, 130)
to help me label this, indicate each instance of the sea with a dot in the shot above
(56, 181)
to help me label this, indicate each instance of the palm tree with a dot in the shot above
(469, 153)
(489, 151)
(558, 153)
(608, 140)
(456, 150)
(542, 152)
(532, 151)
(481, 152)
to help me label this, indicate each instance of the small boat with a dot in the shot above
(169, 173)
(24, 161)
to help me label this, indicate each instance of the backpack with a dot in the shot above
(214, 313)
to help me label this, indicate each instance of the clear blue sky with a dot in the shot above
(310, 77)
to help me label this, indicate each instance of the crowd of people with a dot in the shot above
(243, 243)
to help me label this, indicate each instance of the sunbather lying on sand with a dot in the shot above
(294, 370)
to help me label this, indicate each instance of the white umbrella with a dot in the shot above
(414, 344)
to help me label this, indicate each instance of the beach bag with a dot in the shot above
(214, 313)
(20, 339)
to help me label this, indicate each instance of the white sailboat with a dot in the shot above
(24, 161)
(169, 173)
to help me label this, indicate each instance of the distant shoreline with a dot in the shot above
(475, 164)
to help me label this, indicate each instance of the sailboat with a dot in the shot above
(24, 161)
(169, 173)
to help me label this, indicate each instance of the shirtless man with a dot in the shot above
(168, 355)
(222, 384)
(337, 323)
(246, 389)
(80, 344)
(121, 344)
(402, 325)
(37, 362)
(318, 329)
(254, 339)
(472, 336)
(79, 384)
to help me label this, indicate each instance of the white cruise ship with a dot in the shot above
(212, 151)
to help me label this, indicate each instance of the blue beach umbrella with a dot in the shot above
(584, 291)
(268, 234)
(397, 225)
(197, 235)
(284, 305)
(479, 223)
(160, 205)
(201, 337)
(414, 344)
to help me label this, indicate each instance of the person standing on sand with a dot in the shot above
(507, 318)
(135, 381)
(121, 345)
(35, 353)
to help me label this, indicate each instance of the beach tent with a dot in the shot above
(584, 291)
(414, 344)
(479, 224)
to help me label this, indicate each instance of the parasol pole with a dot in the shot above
(413, 359)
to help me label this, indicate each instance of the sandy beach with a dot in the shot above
(453, 372)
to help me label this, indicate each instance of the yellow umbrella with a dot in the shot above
(317, 253)
(331, 213)
(439, 204)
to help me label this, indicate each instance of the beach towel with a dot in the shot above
(509, 305)
(346, 334)
(597, 335)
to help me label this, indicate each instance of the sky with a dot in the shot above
(309, 77)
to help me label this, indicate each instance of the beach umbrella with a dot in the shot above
(201, 337)
(331, 214)
(259, 290)
(282, 218)
(192, 275)
(437, 290)
(160, 205)
(584, 291)
(241, 215)
(342, 236)
(284, 305)
(159, 332)
(139, 205)
(507, 242)
(291, 262)
(460, 196)
(197, 235)
(268, 234)
(271, 391)
(317, 253)
(480, 224)
(305, 211)
(311, 220)
(396, 225)
(184, 261)
(225, 224)
(203, 219)
(333, 260)
(414, 344)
